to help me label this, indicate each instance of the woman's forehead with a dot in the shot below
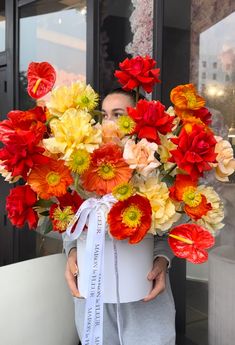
(117, 100)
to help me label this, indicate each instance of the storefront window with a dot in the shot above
(53, 31)
(2, 27)
(212, 68)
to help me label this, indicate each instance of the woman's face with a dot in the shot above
(115, 105)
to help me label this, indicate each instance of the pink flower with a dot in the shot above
(110, 132)
(225, 162)
(140, 156)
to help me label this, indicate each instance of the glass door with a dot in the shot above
(53, 31)
(2, 27)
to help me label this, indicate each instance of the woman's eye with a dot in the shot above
(117, 114)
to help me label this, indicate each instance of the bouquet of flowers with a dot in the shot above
(151, 160)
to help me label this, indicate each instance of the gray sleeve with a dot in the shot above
(68, 245)
(162, 248)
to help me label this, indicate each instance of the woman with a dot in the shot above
(147, 322)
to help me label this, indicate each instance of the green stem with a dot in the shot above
(137, 94)
(76, 182)
(52, 118)
(170, 170)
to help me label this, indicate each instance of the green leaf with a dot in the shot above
(44, 203)
(49, 228)
(46, 226)
(169, 180)
(45, 213)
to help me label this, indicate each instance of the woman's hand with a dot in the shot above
(158, 276)
(71, 272)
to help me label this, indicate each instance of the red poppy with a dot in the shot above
(130, 218)
(62, 213)
(138, 71)
(150, 118)
(41, 79)
(22, 154)
(19, 205)
(195, 151)
(189, 241)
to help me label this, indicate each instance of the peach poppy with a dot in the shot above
(50, 180)
(107, 170)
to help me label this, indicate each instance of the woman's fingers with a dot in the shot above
(71, 272)
(159, 286)
(158, 276)
(71, 281)
(72, 261)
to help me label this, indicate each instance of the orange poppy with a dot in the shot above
(107, 170)
(50, 180)
(198, 211)
(185, 189)
(186, 97)
(181, 182)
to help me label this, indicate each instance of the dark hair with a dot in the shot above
(131, 94)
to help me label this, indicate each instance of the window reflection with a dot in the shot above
(213, 72)
(2, 27)
(217, 57)
(53, 31)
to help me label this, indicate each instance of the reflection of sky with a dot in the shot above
(58, 38)
(220, 37)
(2, 35)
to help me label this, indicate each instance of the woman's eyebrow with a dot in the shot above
(117, 109)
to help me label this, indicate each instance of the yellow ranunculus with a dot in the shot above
(164, 211)
(71, 132)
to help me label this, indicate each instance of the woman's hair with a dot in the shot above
(131, 94)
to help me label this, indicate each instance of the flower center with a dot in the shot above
(131, 216)
(85, 100)
(191, 98)
(63, 217)
(106, 171)
(80, 161)
(36, 85)
(126, 124)
(123, 191)
(191, 197)
(53, 178)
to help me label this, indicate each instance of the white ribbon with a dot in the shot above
(93, 213)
